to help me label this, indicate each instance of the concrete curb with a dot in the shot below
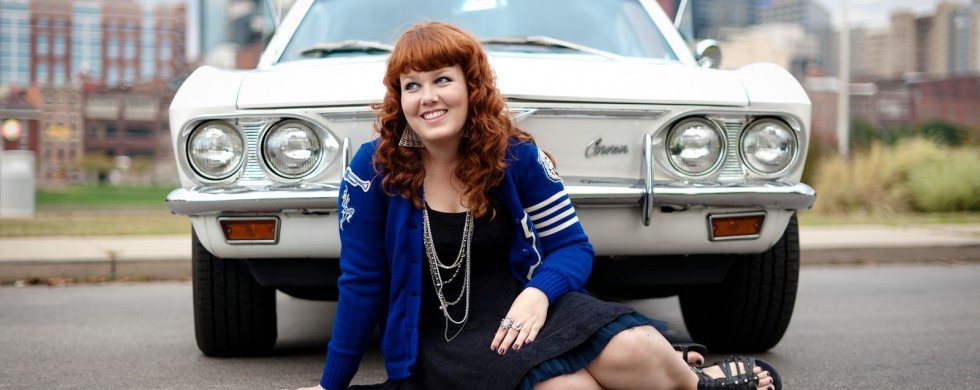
(936, 254)
(95, 270)
(97, 258)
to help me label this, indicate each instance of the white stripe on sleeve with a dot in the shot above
(545, 202)
(549, 212)
(558, 228)
(557, 218)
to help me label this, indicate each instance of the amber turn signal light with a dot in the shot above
(736, 226)
(241, 229)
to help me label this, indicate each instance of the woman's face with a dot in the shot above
(435, 103)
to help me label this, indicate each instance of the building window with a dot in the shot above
(113, 48)
(129, 75)
(59, 74)
(130, 49)
(42, 44)
(164, 50)
(139, 132)
(42, 72)
(112, 77)
(59, 46)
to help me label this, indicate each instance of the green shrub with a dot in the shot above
(863, 134)
(942, 132)
(951, 184)
(875, 180)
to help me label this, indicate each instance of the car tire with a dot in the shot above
(751, 309)
(233, 314)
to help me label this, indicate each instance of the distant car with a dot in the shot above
(686, 178)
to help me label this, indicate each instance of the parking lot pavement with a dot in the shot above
(168, 257)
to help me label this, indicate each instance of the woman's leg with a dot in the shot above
(641, 358)
(578, 380)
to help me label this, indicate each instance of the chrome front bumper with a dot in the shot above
(584, 192)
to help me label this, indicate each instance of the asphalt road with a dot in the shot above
(854, 327)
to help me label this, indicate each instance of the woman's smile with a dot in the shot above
(435, 104)
(434, 114)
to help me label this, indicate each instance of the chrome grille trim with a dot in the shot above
(349, 116)
(253, 171)
(598, 113)
(731, 168)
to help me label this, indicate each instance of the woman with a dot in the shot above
(456, 231)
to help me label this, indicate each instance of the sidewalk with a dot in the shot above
(168, 257)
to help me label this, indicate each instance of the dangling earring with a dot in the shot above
(410, 139)
(466, 132)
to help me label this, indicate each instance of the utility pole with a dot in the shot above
(843, 84)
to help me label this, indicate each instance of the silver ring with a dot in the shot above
(516, 325)
(505, 323)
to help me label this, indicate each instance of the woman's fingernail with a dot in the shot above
(517, 347)
(501, 351)
(771, 387)
(700, 361)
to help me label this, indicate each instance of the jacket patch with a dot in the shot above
(351, 177)
(526, 225)
(346, 212)
(548, 166)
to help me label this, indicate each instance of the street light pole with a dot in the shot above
(843, 83)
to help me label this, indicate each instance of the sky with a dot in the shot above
(875, 13)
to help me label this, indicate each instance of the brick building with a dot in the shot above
(955, 100)
(21, 114)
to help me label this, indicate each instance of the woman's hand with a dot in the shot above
(528, 312)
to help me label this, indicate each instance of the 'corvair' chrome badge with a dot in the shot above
(596, 148)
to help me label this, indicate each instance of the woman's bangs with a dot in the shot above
(424, 53)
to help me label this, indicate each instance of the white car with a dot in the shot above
(686, 178)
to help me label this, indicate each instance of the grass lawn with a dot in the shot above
(96, 195)
(897, 219)
(74, 220)
(98, 210)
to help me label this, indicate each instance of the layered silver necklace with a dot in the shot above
(436, 268)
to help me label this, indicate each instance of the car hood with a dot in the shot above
(566, 78)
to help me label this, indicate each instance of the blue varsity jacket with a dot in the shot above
(382, 259)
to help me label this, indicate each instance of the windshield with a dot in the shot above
(620, 27)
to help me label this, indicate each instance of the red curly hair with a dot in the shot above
(426, 47)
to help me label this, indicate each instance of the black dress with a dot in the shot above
(576, 330)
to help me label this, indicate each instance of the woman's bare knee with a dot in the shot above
(578, 380)
(631, 347)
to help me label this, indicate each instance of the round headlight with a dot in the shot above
(291, 149)
(215, 150)
(695, 146)
(768, 146)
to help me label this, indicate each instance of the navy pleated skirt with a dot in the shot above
(577, 329)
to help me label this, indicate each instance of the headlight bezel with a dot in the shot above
(251, 125)
(275, 173)
(722, 143)
(755, 172)
(189, 159)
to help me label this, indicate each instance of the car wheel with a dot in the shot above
(750, 310)
(233, 314)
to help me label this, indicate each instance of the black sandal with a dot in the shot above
(684, 348)
(743, 378)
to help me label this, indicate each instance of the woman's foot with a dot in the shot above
(765, 379)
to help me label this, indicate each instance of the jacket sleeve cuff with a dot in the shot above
(339, 370)
(551, 282)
